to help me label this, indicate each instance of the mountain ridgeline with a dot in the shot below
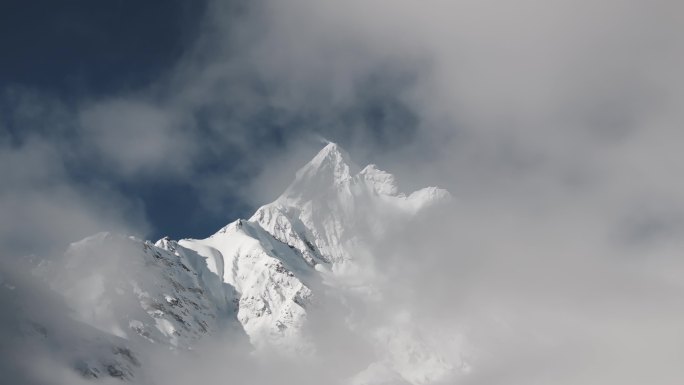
(264, 281)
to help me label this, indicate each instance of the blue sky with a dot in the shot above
(84, 48)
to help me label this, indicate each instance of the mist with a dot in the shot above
(555, 125)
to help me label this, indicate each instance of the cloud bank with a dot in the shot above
(555, 124)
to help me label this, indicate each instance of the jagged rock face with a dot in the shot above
(262, 276)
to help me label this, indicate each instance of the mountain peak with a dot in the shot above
(263, 277)
(331, 155)
(331, 167)
(332, 148)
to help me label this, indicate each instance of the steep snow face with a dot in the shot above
(135, 290)
(330, 168)
(272, 282)
(332, 209)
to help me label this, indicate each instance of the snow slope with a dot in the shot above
(271, 280)
(261, 277)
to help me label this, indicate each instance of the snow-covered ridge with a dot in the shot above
(260, 276)
(271, 279)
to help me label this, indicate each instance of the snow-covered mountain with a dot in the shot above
(261, 280)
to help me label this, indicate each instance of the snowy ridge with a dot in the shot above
(270, 279)
(260, 277)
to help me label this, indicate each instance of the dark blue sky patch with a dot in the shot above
(81, 47)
